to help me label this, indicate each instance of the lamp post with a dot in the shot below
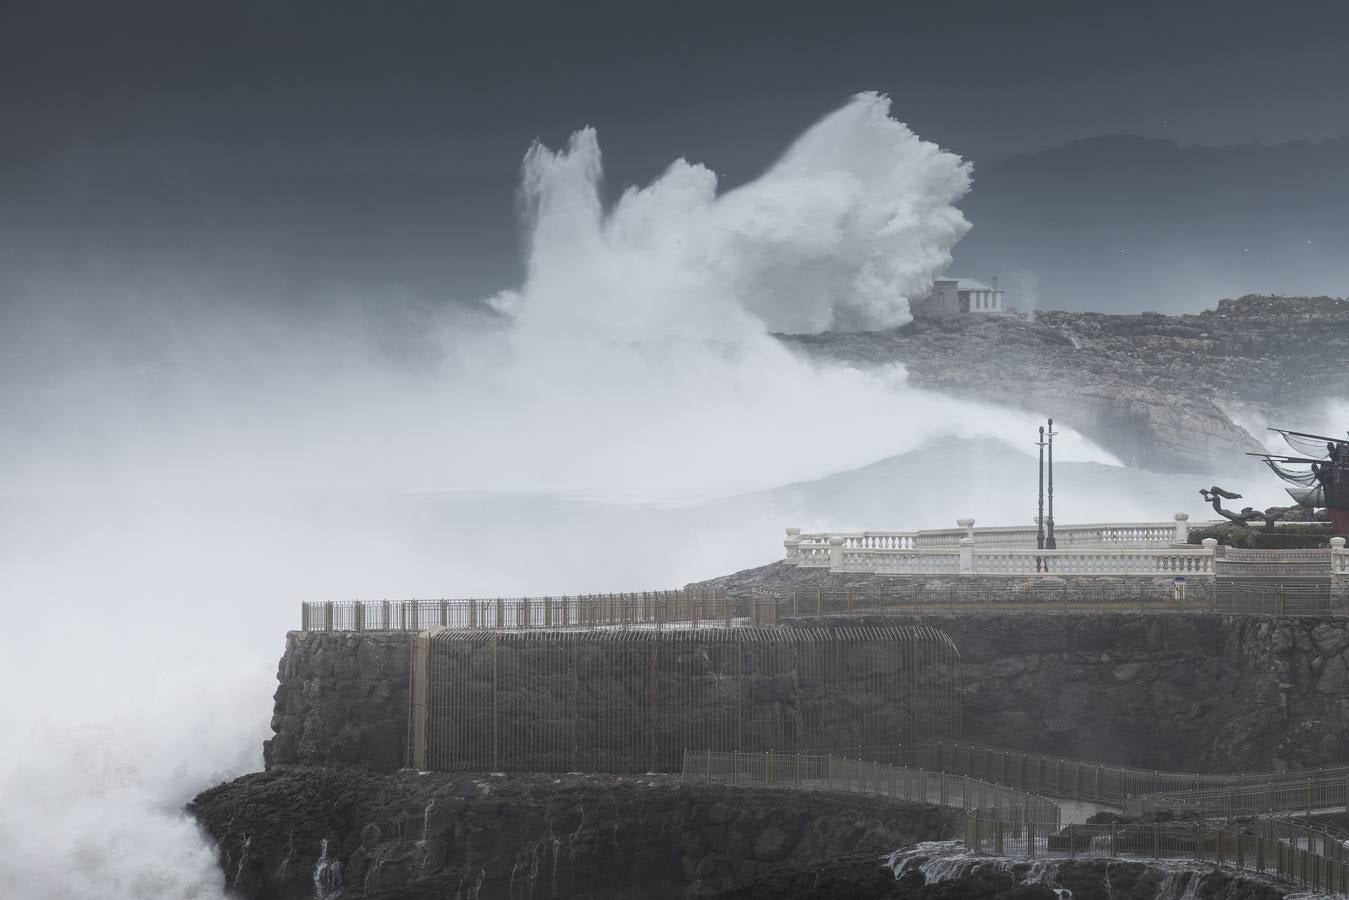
(1040, 513)
(1050, 543)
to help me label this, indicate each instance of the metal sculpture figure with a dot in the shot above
(1215, 495)
(1324, 484)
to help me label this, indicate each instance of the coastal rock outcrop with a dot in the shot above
(1158, 391)
(298, 833)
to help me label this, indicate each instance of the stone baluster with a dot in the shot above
(836, 554)
(1211, 551)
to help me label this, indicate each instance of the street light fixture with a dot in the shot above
(1050, 543)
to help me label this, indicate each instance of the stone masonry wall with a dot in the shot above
(1185, 692)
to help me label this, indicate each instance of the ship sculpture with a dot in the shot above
(1319, 475)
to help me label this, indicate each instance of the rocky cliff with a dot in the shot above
(342, 700)
(301, 833)
(1158, 391)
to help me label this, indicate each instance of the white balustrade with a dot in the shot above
(1145, 548)
(813, 550)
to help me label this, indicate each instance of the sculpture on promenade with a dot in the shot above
(1324, 483)
(1215, 496)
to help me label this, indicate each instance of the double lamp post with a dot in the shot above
(1044, 525)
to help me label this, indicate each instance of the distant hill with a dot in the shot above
(1124, 223)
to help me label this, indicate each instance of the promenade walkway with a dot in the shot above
(1217, 822)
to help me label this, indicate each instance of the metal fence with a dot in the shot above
(1284, 598)
(1076, 779)
(1003, 821)
(701, 608)
(917, 598)
(1302, 597)
(1265, 846)
(1325, 789)
(645, 609)
(828, 772)
(624, 701)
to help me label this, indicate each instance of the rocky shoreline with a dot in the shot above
(1158, 391)
(325, 833)
(301, 832)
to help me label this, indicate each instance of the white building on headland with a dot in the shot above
(954, 296)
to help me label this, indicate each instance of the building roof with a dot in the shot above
(964, 284)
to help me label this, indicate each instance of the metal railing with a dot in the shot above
(1076, 779)
(918, 598)
(1309, 597)
(631, 701)
(804, 771)
(645, 609)
(1324, 789)
(1298, 856)
(712, 608)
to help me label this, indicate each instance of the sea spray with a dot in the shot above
(327, 875)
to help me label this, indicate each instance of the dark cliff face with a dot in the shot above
(1183, 692)
(1187, 692)
(342, 699)
(538, 836)
(1155, 390)
(325, 833)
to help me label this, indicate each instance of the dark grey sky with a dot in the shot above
(305, 86)
(282, 151)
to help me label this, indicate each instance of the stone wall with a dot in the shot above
(1185, 692)
(532, 836)
(587, 701)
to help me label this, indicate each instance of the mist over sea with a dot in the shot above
(623, 419)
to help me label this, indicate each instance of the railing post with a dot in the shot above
(328, 615)
(836, 554)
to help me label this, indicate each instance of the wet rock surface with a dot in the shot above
(412, 835)
(945, 870)
(342, 700)
(1158, 391)
(1192, 692)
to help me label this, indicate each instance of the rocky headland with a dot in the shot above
(335, 811)
(1158, 391)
